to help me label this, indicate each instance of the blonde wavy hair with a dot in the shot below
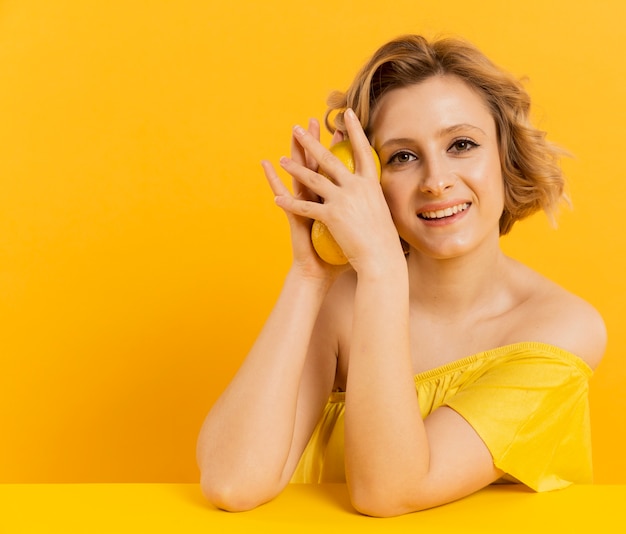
(533, 179)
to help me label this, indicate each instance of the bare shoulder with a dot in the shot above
(556, 316)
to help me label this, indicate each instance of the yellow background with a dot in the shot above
(140, 250)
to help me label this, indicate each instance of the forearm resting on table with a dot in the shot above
(386, 444)
(246, 438)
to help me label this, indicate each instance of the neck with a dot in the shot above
(455, 287)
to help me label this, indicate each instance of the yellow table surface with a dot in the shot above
(300, 509)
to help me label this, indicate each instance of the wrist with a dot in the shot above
(383, 268)
(308, 282)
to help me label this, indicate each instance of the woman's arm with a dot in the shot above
(253, 436)
(395, 462)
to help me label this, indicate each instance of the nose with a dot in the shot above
(437, 178)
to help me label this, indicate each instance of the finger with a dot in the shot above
(298, 153)
(363, 160)
(302, 192)
(326, 160)
(276, 184)
(282, 195)
(304, 177)
(303, 208)
(314, 130)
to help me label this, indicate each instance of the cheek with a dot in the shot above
(393, 195)
(491, 181)
(498, 186)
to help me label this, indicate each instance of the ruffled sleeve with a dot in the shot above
(531, 409)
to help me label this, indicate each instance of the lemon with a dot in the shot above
(325, 245)
(323, 241)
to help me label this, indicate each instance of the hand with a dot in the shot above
(306, 260)
(354, 208)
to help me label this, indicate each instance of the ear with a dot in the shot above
(338, 136)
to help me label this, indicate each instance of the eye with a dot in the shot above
(462, 145)
(401, 157)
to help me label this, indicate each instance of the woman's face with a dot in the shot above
(441, 171)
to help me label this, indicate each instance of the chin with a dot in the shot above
(443, 251)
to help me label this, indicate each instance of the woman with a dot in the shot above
(499, 356)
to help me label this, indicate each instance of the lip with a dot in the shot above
(456, 209)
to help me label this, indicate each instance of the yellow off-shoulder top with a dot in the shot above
(527, 401)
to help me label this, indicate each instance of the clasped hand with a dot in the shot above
(352, 206)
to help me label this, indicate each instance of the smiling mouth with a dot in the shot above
(442, 214)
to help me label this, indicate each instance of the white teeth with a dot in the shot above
(440, 214)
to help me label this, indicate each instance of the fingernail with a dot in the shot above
(350, 113)
(299, 130)
(283, 160)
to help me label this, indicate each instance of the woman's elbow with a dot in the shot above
(381, 503)
(374, 505)
(228, 497)
(234, 496)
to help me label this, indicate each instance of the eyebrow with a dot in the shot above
(457, 127)
(442, 133)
